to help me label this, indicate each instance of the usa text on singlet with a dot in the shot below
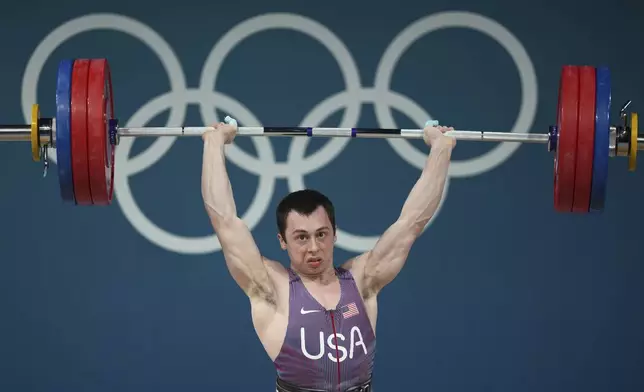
(326, 349)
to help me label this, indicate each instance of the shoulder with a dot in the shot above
(354, 268)
(276, 270)
(355, 265)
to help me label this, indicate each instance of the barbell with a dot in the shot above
(85, 134)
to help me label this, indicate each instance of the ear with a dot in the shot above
(282, 241)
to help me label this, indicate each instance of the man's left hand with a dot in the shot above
(435, 136)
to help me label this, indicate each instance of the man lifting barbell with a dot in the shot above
(317, 321)
(338, 303)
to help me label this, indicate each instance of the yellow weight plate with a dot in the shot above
(632, 151)
(35, 137)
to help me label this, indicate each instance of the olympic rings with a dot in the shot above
(313, 29)
(265, 165)
(512, 45)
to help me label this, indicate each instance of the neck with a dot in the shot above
(325, 277)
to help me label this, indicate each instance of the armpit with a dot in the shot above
(264, 293)
(278, 279)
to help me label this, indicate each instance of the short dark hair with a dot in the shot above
(304, 202)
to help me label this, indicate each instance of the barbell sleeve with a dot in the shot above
(15, 133)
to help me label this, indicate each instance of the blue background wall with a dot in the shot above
(500, 293)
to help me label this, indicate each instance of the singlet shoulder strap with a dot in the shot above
(292, 276)
(343, 274)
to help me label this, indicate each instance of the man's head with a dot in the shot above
(306, 224)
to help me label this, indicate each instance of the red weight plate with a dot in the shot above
(99, 150)
(80, 172)
(585, 139)
(566, 157)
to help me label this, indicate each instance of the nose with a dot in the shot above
(313, 246)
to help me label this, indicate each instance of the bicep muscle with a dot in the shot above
(243, 259)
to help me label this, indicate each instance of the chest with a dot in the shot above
(326, 295)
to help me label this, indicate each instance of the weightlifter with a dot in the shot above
(316, 321)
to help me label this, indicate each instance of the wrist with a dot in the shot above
(216, 140)
(442, 143)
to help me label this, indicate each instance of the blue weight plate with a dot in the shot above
(63, 131)
(602, 140)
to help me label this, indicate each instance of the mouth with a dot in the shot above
(314, 262)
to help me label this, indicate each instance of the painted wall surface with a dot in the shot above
(500, 293)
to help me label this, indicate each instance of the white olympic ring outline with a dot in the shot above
(297, 165)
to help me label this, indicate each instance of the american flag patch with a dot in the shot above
(350, 310)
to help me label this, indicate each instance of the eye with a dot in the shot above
(322, 234)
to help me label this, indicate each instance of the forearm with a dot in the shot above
(215, 186)
(425, 196)
(380, 266)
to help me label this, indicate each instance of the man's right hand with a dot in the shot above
(222, 133)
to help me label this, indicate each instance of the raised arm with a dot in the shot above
(242, 256)
(378, 267)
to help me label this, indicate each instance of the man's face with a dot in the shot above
(309, 241)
